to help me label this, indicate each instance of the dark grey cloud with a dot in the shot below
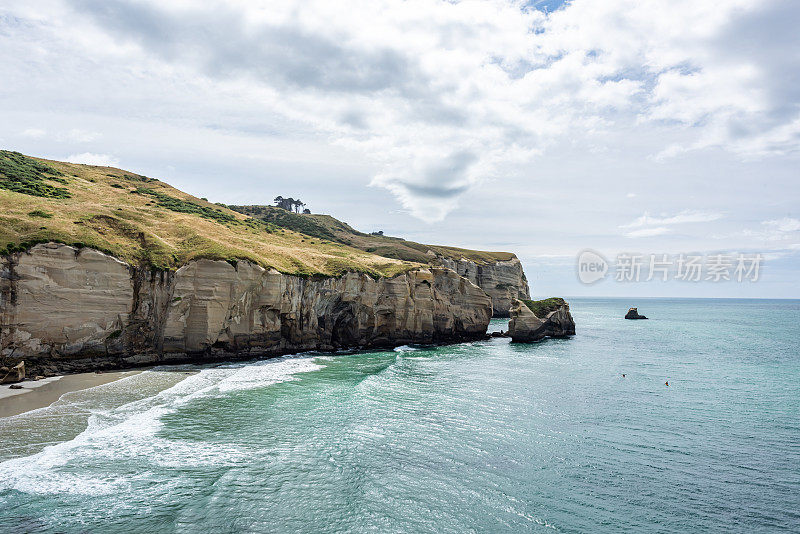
(443, 179)
(220, 43)
(769, 39)
(435, 191)
(452, 167)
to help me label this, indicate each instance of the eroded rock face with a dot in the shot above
(503, 281)
(526, 327)
(61, 297)
(69, 309)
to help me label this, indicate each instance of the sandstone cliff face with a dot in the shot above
(526, 327)
(67, 309)
(503, 281)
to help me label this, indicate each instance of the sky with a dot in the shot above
(542, 128)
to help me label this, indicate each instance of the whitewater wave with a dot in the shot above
(406, 348)
(131, 431)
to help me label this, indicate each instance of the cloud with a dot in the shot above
(784, 229)
(442, 97)
(784, 225)
(683, 217)
(648, 232)
(76, 135)
(34, 133)
(87, 158)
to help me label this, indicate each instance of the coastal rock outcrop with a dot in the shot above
(633, 313)
(68, 309)
(536, 320)
(14, 374)
(503, 281)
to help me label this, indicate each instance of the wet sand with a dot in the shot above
(41, 393)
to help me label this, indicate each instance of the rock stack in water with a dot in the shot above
(533, 320)
(633, 313)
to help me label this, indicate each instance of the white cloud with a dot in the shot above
(34, 133)
(88, 158)
(784, 225)
(772, 230)
(77, 135)
(74, 135)
(648, 232)
(679, 218)
(443, 96)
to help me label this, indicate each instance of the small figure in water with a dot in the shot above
(666, 383)
(623, 375)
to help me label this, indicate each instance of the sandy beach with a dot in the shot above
(40, 393)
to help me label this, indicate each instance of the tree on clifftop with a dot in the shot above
(290, 204)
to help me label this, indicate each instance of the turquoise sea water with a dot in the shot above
(478, 437)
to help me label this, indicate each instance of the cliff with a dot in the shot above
(71, 309)
(503, 280)
(499, 274)
(536, 320)
(101, 267)
(144, 221)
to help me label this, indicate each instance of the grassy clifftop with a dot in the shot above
(327, 227)
(144, 221)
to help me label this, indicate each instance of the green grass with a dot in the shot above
(41, 214)
(184, 206)
(301, 223)
(541, 308)
(22, 174)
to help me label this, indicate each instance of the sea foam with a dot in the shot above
(131, 431)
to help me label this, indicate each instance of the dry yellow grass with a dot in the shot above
(325, 226)
(104, 212)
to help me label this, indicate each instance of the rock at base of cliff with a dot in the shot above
(633, 313)
(15, 374)
(534, 320)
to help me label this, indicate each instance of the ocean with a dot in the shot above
(477, 437)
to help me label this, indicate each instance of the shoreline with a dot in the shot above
(42, 393)
(212, 356)
(36, 394)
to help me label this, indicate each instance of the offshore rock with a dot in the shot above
(503, 281)
(67, 309)
(551, 319)
(633, 313)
